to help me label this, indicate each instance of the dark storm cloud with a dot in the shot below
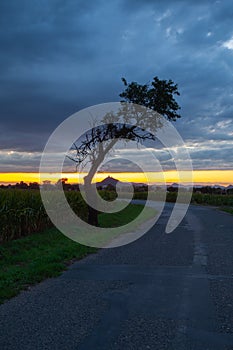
(58, 57)
(42, 45)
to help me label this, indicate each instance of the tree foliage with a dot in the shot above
(158, 96)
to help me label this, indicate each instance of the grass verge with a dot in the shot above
(228, 210)
(29, 260)
(114, 225)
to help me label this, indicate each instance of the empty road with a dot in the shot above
(163, 291)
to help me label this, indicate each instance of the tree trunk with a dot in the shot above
(92, 217)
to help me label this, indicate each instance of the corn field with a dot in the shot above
(22, 212)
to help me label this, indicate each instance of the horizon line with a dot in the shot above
(200, 176)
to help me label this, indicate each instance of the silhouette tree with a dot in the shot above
(158, 96)
(130, 123)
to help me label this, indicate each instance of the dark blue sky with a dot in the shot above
(60, 56)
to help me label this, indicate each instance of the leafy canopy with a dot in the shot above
(158, 96)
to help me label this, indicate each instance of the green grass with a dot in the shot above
(121, 222)
(31, 259)
(228, 210)
(197, 198)
(120, 218)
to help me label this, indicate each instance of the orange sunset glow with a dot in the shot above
(222, 177)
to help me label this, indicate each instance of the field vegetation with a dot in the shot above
(22, 212)
(31, 249)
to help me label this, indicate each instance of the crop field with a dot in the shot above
(197, 198)
(22, 212)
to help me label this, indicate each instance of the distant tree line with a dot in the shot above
(143, 188)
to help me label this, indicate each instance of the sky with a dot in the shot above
(58, 57)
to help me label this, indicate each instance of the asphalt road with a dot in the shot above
(163, 291)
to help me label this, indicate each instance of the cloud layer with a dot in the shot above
(58, 57)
